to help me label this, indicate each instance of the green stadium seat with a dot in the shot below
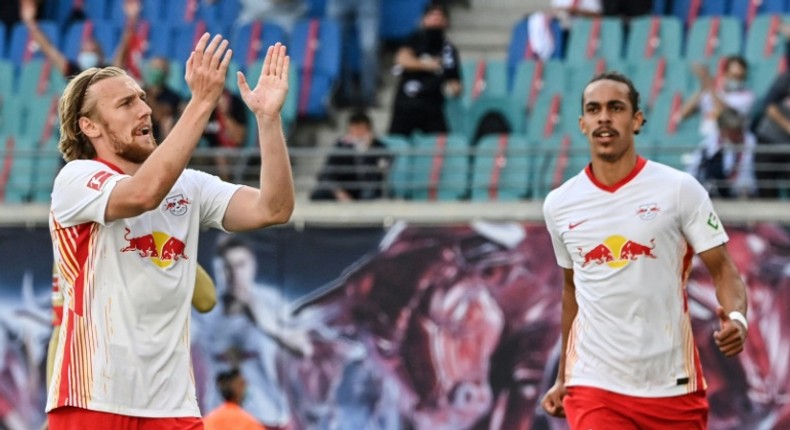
(763, 40)
(39, 77)
(441, 167)
(399, 180)
(661, 121)
(676, 150)
(714, 36)
(534, 78)
(16, 169)
(592, 38)
(559, 159)
(657, 76)
(653, 37)
(502, 168)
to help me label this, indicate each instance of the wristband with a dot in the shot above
(737, 316)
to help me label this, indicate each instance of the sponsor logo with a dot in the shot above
(162, 249)
(617, 251)
(713, 221)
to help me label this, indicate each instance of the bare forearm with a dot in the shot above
(731, 291)
(52, 53)
(569, 310)
(775, 114)
(276, 196)
(165, 165)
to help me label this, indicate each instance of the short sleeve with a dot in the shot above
(81, 192)
(215, 195)
(564, 259)
(700, 224)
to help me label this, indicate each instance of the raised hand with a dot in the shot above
(206, 68)
(268, 96)
(27, 10)
(131, 9)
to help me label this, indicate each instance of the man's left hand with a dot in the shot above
(268, 96)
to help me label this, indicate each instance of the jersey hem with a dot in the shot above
(134, 412)
(656, 392)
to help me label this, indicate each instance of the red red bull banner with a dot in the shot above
(442, 327)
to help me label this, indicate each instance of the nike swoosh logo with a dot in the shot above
(571, 225)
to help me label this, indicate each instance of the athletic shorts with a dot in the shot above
(590, 408)
(71, 418)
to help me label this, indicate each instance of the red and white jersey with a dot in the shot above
(127, 286)
(630, 247)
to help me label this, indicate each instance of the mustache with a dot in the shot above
(597, 132)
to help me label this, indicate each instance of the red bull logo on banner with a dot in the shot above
(617, 251)
(161, 248)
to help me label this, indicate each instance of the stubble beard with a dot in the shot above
(130, 150)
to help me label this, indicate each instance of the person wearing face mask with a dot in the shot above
(165, 103)
(90, 54)
(429, 68)
(357, 169)
(230, 414)
(711, 98)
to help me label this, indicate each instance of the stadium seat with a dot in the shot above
(676, 150)
(657, 76)
(250, 41)
(11, 115)
(317, 63)
(688, 11)
(38, 78)
(763, 40)
(763, 73)
(59, 11)
(399, 18)
(546, 122)
(559, 159)
(6, 81)
(746, 11)
(185, 36)
(3, 50)
(400, 174)
(534, 78)
(22, 47)
(714, 36)
(502, 168)
(316, 8)
(152, 11)
(482, 79)
(103, 32)
(16, 169)
(654, 36)
(178, 12)
(441, 166)
(520, 48)
(592, 38)
(662, 121)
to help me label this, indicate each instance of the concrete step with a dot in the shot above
(480, 41)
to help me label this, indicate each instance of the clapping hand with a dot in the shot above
(268, 96)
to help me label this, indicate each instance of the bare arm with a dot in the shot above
(406, 58)
(552, 401)
(131, 9)
(775, 114)
(27, 12)
(205, 74)
(731, 293)
(273, 202)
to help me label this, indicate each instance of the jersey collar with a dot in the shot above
(640, 164)
(108, 164)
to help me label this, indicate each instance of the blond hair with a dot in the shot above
(75, 104)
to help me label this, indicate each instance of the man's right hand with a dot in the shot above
(552, 401)
(206, 69)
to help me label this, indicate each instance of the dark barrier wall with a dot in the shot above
(453, 327)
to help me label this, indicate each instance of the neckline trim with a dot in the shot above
(640, 164)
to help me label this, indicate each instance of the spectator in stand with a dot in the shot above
(284, 13)
(773, 128)
(90, 54)
(429, 69)
(227, 129)
(724, 163)
(711, 99)
(627, 8)
(358, 167)
(230, 414)
(364, 15)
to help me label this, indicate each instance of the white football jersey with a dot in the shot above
(630, 248)
(127, 285)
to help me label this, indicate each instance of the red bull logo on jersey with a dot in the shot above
(161, 248)
(176, 205)
(617, 251)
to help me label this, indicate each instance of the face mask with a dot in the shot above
(87, 59)
(154, 77)
(435, 37)
(734, 85)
